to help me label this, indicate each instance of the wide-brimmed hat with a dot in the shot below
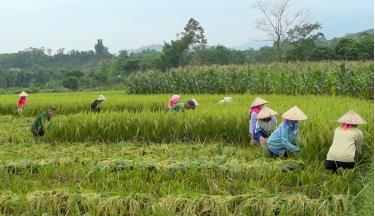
(294, 114)
(195, 102)
(351, 117)
(101, 97)
(258, 101)
(266, 112)
(226, 100)
(23, 94)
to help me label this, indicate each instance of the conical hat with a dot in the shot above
(101, 97)
(228, 99)
(351, 117)
(294, 114)
(266, 112)
(195, 102)
(23, 94)
(258, 101)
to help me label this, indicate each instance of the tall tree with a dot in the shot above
(100, 49)
(195, 32)
(278, 18)
(301, 41)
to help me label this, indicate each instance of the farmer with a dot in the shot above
(175, 99)
(22, 101)
(190, 104)
(95, 106)
(347, 143)
(226, 100)
(286, 133)
(265, 124)
(255, 108)
(38, 126)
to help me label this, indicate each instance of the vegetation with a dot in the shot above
(328, 78)
(134, 160)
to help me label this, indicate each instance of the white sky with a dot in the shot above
(129, 24)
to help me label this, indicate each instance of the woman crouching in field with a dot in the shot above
(265, 124)
(286, 133)
(175, 99)
(347, 143)
(255, 108)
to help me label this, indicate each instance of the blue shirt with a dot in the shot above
(281, 139)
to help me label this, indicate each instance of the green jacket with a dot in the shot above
(179, 107)
(39, 121)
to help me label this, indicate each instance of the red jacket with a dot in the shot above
(21, 102)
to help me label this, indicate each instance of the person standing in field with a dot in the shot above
(255, 108)
(346, 146)
(38, 126)
(175, 99)
(22, 101)
(190, 104)
(280, 141)
(95, 106)
(265, 124)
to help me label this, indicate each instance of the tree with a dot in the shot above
(173, 52)
(71, 83)
(195, 32)
(366, 46)
(100, 49)
(278, 18)
(347, 48)
(302, 41)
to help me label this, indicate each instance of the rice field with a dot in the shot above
(135, 159)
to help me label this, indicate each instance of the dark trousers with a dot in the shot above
(275, 155)
(38, 133)
(334, 165)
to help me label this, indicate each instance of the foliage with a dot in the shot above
(329, 78)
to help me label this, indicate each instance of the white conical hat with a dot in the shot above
(258, 101)
(221, 101)
(266, 112)
(195, 102)
(23, 94)
(101, 97)
(228, 99)
(294, 114)
(351, 117)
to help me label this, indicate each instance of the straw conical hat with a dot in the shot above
(351, 117)
(258, 101)
(23, 94)
(228, 99)
(195, 102)
(294, 114)
(101, 97)
(266, 112)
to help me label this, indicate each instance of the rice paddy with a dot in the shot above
(135, 159)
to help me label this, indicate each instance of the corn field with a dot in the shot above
(328, 78)
(133, 158)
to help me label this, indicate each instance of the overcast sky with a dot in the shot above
(129, 24)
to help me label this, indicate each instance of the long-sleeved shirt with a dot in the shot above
(346, 145)
(179, 107)
(95, 106)
(39, 121)
(267, 126)
(252, 123)
(281, 139)
(21, 102)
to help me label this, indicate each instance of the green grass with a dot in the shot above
(195, 163)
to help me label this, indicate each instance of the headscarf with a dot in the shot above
(176, 98)
(346, 126)
(256, 109)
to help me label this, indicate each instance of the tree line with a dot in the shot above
(298, 41)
